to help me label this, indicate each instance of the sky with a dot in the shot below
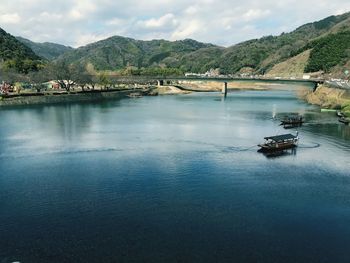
(226, 22)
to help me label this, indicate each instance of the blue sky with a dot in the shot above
(224, 23)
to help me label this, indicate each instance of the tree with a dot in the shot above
(10, 75)
(104, 80)
(81, 76)
(38, 78)
(328, 52)
(63, 73)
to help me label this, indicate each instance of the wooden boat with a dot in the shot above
(344, 120)
(328, 110)
(279, 142)
(292, 121)
(340, 114)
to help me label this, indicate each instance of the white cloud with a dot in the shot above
(224, 23)
(340, 11)
(13, 18)
(254, 14)
(186, 30)
(191, 10)
(46, 17)
(167, 20)
(75, 14)
(84, 39)
(115, 22)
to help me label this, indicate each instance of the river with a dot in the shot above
(173, 179)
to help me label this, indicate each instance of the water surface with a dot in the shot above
(173, 179)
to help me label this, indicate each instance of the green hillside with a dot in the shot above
(327, 42)
(16, 55)
(328, 52)
(118, 52)
(46, 50)
(258, 55)
(262, 54)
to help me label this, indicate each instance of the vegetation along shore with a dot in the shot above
(329, 98)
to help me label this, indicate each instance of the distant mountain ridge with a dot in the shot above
(319, 46)
(16, 55)
(119, 52)
(46, 50)
(257, 56)
(261, 55)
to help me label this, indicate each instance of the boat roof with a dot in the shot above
(281, 137)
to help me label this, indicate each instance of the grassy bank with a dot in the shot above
(329, 98)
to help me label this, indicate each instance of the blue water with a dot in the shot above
(173, 179)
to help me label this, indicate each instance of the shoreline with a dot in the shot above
(216, 86)
(183, 87)
(324, 96)
(69, 97)
(328, 98)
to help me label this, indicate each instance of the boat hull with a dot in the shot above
(343, 120)
(276, 148)
(340, 114)
(291, 124)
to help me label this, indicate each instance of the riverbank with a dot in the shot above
(216, 86)
(65, 97)
(329, 98)
(189, 86)
(171, 90)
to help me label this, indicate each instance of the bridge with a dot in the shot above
(169, 80)
(338, 84)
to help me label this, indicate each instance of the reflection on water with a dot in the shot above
(173, 179)
(275, 154)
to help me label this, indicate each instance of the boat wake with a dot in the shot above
(223, 148)
(311, 145)
(71, 151)
(237, 149)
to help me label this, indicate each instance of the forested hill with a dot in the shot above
(16, 55)
(260, 56)
(46, 50)
(118, 52)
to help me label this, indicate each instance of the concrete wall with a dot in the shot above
(64, 98)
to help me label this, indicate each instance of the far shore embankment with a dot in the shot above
(328, 98)
(69, 97)
(324, 96)
(189, 86)
(176, 87)
(216, 86)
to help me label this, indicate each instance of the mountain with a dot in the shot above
(14, 54)
(322, 45)
(46, 50)
(318, 46)
(263, 54)
(119, 52)
(294, 66)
